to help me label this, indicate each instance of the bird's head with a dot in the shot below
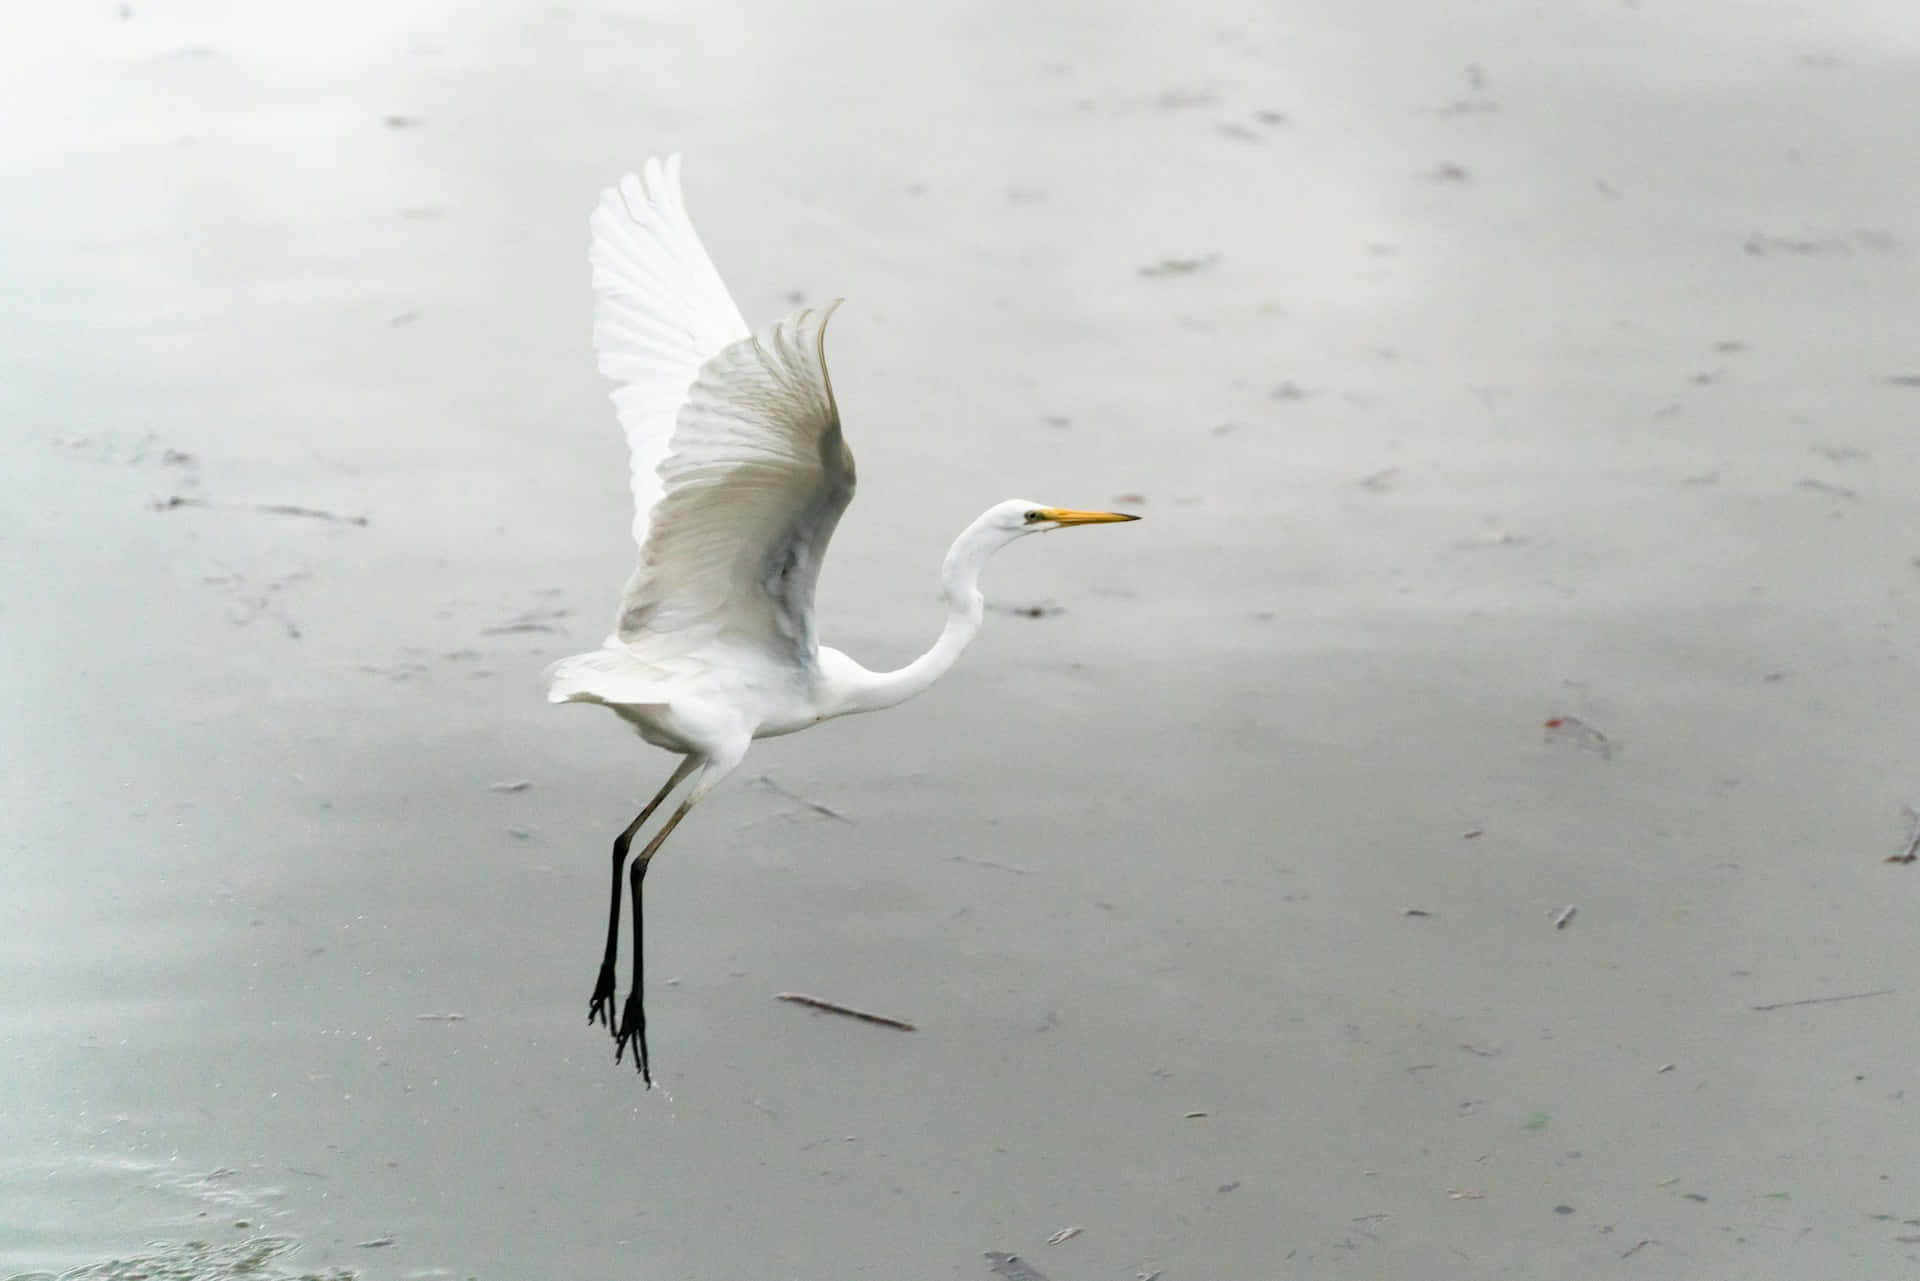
(1018, 516)
(999, 525)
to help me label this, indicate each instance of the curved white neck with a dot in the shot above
(966, 607)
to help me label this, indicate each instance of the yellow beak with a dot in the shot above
(1067, 516)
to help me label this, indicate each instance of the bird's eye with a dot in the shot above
(1032, 516)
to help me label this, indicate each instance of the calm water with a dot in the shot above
(1472, 369)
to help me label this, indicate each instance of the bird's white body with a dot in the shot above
(740, 473)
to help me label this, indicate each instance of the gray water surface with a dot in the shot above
(1474, 368)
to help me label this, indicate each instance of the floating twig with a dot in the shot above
(1566, 916)
(1834, 491)
(1064, 1235)
(1825, 1000)
(172, 501)
(517, 785)
(766, 781)
(814, 1002)
(987, 862)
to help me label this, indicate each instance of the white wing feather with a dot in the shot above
(754, 481)
(660, 313)
(740, 471)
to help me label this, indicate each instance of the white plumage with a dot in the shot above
(740, 474)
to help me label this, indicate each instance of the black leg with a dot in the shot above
(601, 1008)
(633, 1020)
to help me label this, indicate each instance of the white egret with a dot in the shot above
(740, 474)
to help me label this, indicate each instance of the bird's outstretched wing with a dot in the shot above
(754, 480)
(739, 469)
(660, 312)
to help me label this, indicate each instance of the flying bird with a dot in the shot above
(740, 472)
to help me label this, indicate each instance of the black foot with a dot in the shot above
(601, 1010)
(633, 1030)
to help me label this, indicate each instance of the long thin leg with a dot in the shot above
(633, 1021)
(602, 1007)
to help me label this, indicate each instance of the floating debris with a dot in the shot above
(1012, 1267)
(1576, 732)
(766, 781)
(1825, 1000)
(816, 1003)
(988, 863)
(1064, 1235)
(1912, 849)
(1037, 609)
(1380, 481)
(172, 501)
(252, 1259)
(517, 785)
(395, 671)
(1178, 266)
(1508, 539)
(1566, 916)
(1823, 487)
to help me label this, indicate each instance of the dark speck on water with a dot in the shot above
(1179, 266)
